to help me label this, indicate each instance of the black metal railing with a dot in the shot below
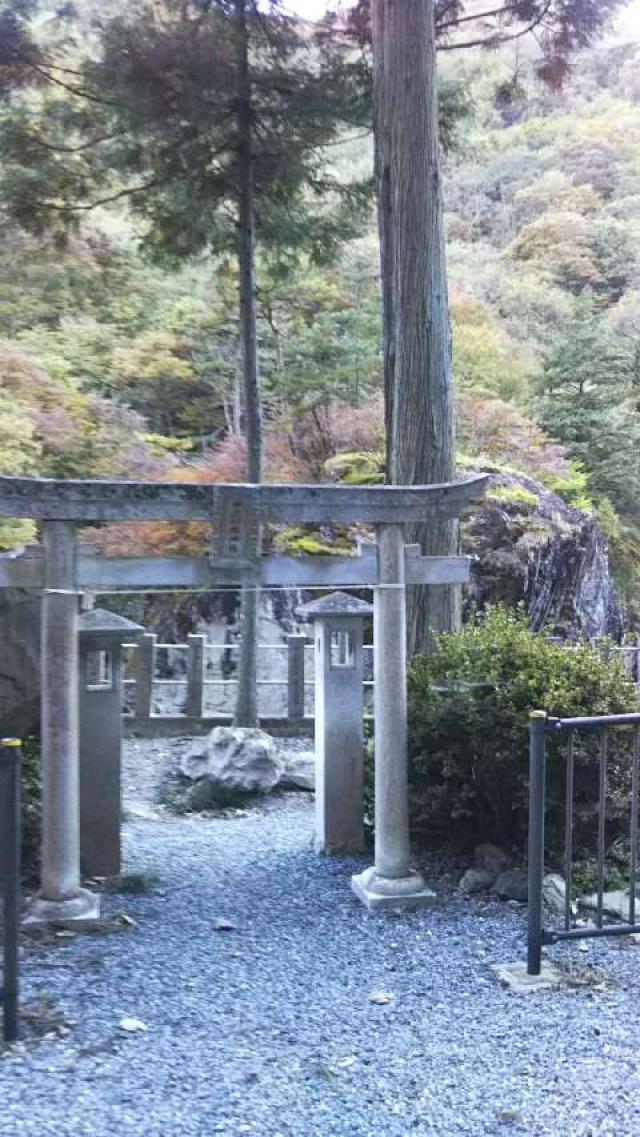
(541, 728)
(10, 772)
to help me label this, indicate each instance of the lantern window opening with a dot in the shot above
(341, 649)
(99, 676)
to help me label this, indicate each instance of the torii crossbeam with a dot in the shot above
(64, 571)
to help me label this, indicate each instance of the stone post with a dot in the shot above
(339, 742)
(195, 676)
(145, 670)
(295, 677)
(60, 898)
(390, 882)
(102, 635)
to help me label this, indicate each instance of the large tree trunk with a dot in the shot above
(417, 338)
(246, 711)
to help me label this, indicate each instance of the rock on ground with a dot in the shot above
(513, 884)
(300, 771)
(554, 892)
(491, 859)
(241, 759)
(476, 880)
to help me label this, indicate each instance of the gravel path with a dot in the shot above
(148, 761)
(268, 1028)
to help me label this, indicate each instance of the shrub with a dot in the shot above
(468, 734)
(31, 809)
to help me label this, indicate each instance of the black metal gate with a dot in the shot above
(540, 729)
(10, 767)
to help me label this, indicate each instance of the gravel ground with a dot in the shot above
(147, 762)
(268, 1028)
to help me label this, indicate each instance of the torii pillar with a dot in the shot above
(61, 897)
(391, 881)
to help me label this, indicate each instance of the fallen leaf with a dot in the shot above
(381, 997)
(132, 1025)
(510, 1116)
(222, 925)
(123, 918)
(325, 1072)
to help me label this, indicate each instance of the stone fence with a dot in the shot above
(173, 686)
(176, 686)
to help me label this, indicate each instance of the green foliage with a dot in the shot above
(136, 124)
(468, 733)
(357, 469)
(486, 359)
(295, 541)
(573, 485)
(589, 400)
(320, 332)
(31, 806)
(517, 496)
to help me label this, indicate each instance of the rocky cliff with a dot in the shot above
(529, 545)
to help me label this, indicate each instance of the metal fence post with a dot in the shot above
(295, 676)
(145, 669)
(537, 748)
(195, 676)
(10, 766)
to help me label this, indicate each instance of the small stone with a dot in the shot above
(381, 997)
(476, 880)
(491, 859)
(300, 771)
(513, 885)
(132, 1025)
(222, 925)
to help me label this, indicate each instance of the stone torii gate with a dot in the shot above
(61, 572)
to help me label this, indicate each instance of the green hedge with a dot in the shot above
(468, 734)
(31, 811)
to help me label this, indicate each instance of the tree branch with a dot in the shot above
(73, 90)
(83, 145)
(489, 14)
(87, 206)
(499, 38)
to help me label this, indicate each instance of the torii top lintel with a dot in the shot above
(92, 500)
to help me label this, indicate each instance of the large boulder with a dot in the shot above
(236, 759)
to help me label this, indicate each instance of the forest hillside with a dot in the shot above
(116, 362)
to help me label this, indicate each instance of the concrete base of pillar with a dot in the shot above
(383, 892)
(82, 908)
(515, 977)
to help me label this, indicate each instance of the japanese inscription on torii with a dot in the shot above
(64, 571)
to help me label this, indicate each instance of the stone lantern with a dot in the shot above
(101, 636)
(338, 622)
